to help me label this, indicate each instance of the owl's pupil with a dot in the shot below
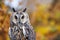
(15, 17)
(22, 17)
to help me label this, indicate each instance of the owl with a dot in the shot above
(20, 27)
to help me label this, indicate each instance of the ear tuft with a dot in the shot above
(24, 10)
(13, 10)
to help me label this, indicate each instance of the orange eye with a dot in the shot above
(15, 17)
(22, 17)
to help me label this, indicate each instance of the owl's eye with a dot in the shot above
(22, 17)
(15, 17)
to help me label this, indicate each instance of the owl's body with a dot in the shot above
(20, 27)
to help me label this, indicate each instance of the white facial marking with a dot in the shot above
(24, 32)
(25, 17)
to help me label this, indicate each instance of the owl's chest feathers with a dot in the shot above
(15, 31)
(18, 28)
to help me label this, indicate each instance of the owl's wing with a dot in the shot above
(30, 32)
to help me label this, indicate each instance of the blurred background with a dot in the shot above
(44, 17)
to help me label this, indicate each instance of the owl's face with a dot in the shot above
(20, 17)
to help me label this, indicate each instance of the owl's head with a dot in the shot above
(20, 17)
